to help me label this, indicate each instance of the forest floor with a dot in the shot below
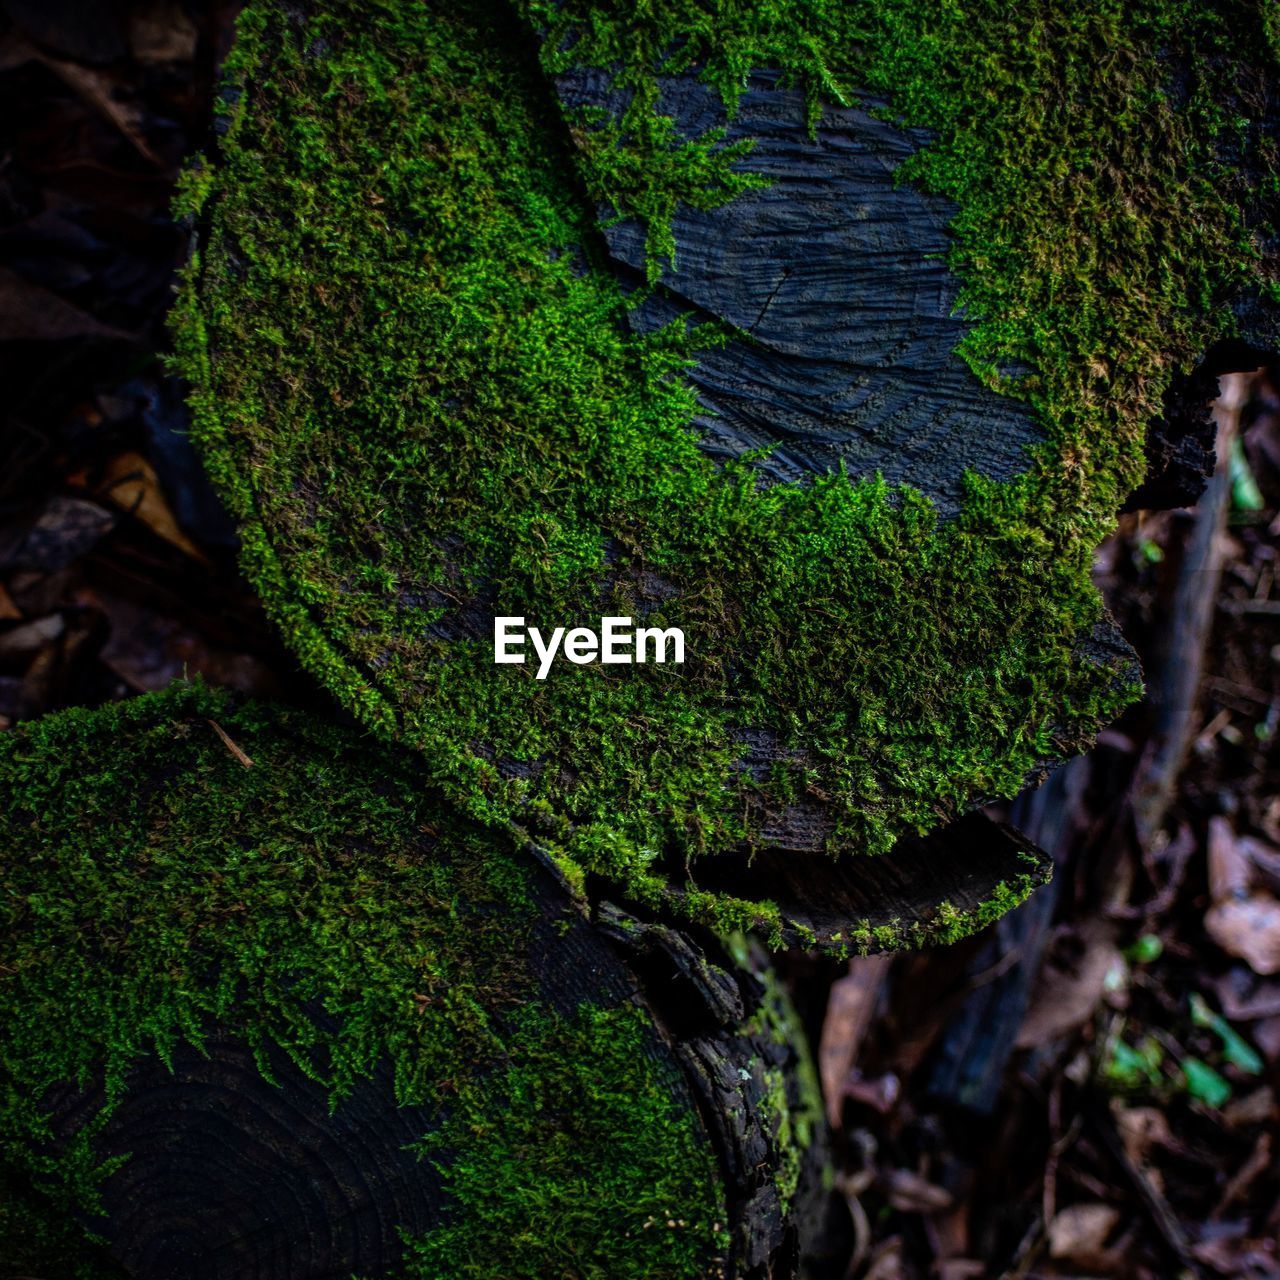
(1088, 1089)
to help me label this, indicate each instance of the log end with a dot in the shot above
(292, 1019)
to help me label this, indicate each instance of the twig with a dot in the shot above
(230, 745)
(1191, 619)
(1162, 1216)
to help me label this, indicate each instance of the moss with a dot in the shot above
(39, 1239)
(412, 386)
(322, 904)
(792, 1103)
(592, 1080)
(944, 925)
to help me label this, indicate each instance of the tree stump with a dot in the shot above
(835, 339)
(270, 1010)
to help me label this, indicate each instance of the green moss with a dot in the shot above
(792, 1104)
(322, 904)
(593, 1080)
(945, 925)
(412, 386)
(39, 1239)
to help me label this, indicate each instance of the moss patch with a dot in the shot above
(321, 904)
(412, 387)
(793, 1098)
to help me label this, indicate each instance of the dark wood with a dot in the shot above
(824, 900)
(836, 277)
(968, 1063)
(849, 323)
(230, 1176)
(1179, 445)
(698, 995)
(228, 1171)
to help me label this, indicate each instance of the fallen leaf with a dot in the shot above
(130, 484)
(886, 1263)
(880, 1093)
(1265, 859)
(1257, 1163)
(948, 1234)
(31, 313)
(27, 640)
(1254, 1108)
(961, 1269)
(1248, 927)
(1067, 997)
(910, 1193)
(1140, 1129)
(850, 1004)
(162, 32)
(64, 531)
(1230, 869)
(101, 92)
(149, 650)
(1079, 1233)
(1227, 1248)
(1266, 1035)
(1245, 998)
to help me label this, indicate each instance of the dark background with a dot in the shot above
(1088, 1089)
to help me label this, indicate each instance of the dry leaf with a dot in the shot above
(1080, 1232)
(28, 639)
(1243, 998)
(1265, 1035)
(880, 1093)
(130, 484)
(1140, 1129)
(1248, 927)
(162, 32)
(1230, 870)
(1066, 999)
(1253, 1109)
(65, 530)
(1265, 859)
(100, 92)
(886, 1262)
(961, 1269)
(850, 1005)
(149, 650)
(31, 313)
(910, 1193)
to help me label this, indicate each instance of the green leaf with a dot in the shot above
(1147, 949)
(1204, 1083)
(1235, 1048)
(1245, 494)
(1130, 1067)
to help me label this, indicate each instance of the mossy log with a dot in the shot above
(835, 336)
(268, 1010)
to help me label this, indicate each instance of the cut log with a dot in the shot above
(834, 282)
(290, 1019)
(821, 339)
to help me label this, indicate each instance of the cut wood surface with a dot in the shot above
(294, 1021)
(835, 346)
(834, 279)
